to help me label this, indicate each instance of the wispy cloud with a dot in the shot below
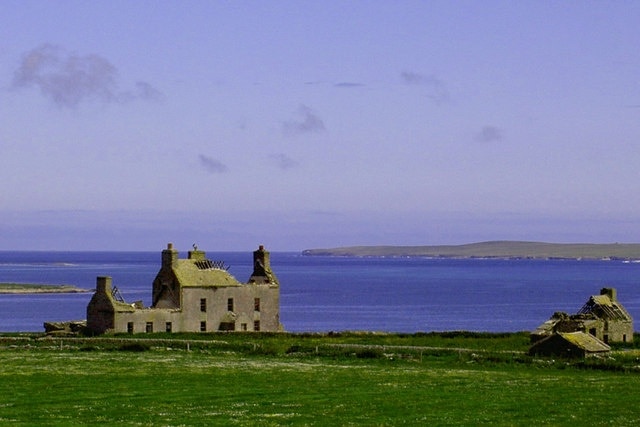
(282, 161)
(348, 85)
(341, 85)
(68, 79)
(147, 92)
(307, 121)
(436, 90)
(489, 134)
(212, 165)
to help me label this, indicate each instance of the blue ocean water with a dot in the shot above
(323, 294)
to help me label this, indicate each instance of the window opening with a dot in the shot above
(227, 326)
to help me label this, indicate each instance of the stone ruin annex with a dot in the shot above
(192, 295)
(600, 321)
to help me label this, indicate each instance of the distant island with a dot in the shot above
(34, 288)
(493, 249)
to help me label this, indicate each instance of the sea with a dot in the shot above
(324, 294)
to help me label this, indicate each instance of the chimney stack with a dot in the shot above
(103, 285)
(169, 256)
(610, 292)
(261, 262)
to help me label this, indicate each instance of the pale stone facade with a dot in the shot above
(192, 295)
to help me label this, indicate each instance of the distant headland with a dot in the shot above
(32, 288)
(493, 249)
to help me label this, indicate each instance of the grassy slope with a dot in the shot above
(502, 249)
(54, 383)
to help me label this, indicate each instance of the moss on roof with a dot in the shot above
(123, 306)
(190, 275)
(585, 341)
(602, 300)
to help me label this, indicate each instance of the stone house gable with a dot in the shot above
(606, 306)
(195, 271)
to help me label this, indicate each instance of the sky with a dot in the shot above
(313, 124)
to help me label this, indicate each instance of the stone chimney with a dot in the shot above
(169, 256)
(610, 292)
(197, 255)
(262, 268)
(261, 262)
(103, 285)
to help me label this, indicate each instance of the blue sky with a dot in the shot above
(301, 124)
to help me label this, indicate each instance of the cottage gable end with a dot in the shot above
(605, 306)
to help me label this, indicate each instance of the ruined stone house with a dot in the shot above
(192, 295)
(602, 317)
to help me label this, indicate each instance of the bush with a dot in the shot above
(136, 347)
(369, 354)
(294, 349)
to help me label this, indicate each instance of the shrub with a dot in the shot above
(369, 353)
(136, 347)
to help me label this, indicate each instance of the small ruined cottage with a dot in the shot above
(600, 321)
(602, 316)
(193, 294)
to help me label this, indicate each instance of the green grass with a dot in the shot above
(281, 341)
(288, 379)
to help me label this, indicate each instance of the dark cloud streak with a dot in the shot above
(212, 165)
(489, 134)
(436, 90)
(283, 161)
(348, 85)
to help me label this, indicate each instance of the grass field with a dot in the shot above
(273, 379)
